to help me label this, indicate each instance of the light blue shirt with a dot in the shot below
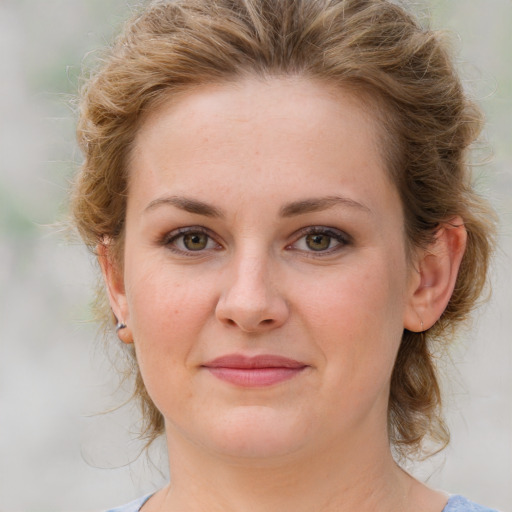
(133, 506)
(456, 503)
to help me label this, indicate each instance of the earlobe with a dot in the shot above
(124, 333)
(114, 284)
(437, 268)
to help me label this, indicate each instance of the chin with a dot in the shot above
(255, 432)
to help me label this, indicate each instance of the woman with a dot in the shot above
(278, 196)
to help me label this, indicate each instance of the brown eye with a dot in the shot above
(191, 241)
(318, 241)
(321, 241)
(195, 241)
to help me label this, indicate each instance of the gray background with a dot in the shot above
(55, 452)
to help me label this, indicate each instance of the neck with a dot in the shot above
(355, 476)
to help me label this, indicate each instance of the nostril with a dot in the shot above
(251, 313)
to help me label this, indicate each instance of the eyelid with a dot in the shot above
(340, 236)
(170, 237)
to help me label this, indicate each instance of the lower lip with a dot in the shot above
(255, 377)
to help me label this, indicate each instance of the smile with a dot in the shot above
(258, 371)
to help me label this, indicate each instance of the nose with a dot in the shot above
(250, 299)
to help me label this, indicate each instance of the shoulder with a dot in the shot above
(133, 506)
(458, 503)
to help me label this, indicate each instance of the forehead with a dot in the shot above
(251, 99)
(278, 134)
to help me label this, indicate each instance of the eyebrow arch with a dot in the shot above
(187, 204)
(317, 204)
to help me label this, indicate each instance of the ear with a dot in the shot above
(114, 283)
(436, 270)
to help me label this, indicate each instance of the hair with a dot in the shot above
(372, 47)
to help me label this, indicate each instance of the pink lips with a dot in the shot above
(257, 371)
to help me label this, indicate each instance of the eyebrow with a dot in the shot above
(310, 205)
(187, 204)
(317, 204)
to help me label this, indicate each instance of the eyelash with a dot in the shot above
(341, 239)
(171, 238)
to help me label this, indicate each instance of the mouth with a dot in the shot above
(257, 371)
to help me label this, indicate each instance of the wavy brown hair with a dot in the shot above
(401, 70)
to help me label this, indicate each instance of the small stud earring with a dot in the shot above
(120, 326)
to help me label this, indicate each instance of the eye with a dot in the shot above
(195, 241)
(318, 241)
(321, 240)
(187, 240)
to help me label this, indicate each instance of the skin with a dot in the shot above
(225, 183)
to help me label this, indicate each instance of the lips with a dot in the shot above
(257, 371)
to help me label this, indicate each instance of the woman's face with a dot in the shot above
(265, 278)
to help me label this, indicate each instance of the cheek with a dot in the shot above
(167, 314)
(167, 307)
(358, 297)
(357, 319)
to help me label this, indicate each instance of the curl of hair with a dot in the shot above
(401, 70)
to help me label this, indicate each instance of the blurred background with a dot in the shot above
(56, 452)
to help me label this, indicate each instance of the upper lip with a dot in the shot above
(252, 362)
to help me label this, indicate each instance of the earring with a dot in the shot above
(120, 326)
